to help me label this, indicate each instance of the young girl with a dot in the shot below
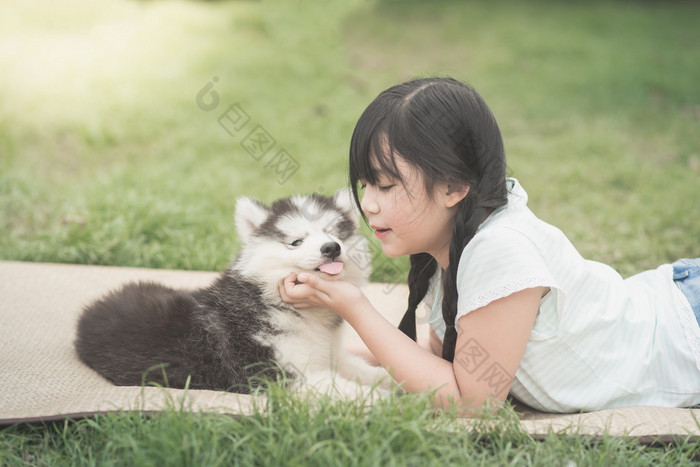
(517, 309)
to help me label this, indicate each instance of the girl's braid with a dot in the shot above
(423, 267)
(466, 222)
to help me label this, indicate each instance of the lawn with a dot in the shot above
(123, 141)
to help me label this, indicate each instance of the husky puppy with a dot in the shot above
(237, 332)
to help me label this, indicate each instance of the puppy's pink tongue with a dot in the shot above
(332, 268)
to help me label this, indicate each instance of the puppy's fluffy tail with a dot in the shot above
(138, 334)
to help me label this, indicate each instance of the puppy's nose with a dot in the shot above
(330, 249)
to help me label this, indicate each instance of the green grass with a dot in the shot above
(105, 158)
(298, 431)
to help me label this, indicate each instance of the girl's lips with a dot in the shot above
(381, 232)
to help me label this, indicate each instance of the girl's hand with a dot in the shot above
(308, 290)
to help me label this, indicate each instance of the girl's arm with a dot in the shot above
(490, 345)
(432, 343)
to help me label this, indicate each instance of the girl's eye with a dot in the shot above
(297, 242)
(380, 187)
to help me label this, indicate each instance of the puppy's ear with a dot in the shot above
(250, 215)
(344, 200)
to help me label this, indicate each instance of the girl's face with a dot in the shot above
(406, 220)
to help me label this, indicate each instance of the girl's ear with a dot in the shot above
(250, 215)
(455, 193)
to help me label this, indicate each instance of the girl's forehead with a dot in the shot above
(404, 169)
(397, 170)
(389, 164)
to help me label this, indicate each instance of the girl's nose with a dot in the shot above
(369, 202)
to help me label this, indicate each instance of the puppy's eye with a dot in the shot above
(297, 242)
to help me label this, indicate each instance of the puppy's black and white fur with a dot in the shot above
(237, 332)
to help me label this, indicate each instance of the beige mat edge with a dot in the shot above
(42, 380)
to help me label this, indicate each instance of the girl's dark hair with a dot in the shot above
(444, 129)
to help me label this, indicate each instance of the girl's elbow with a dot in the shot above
(469, 404)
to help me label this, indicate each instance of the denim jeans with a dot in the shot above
(686, 274)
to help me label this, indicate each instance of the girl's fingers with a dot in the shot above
(289, 281)
(288, 290)
(283, 292)
(299, 294)
(312, 280)
(293, 288)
